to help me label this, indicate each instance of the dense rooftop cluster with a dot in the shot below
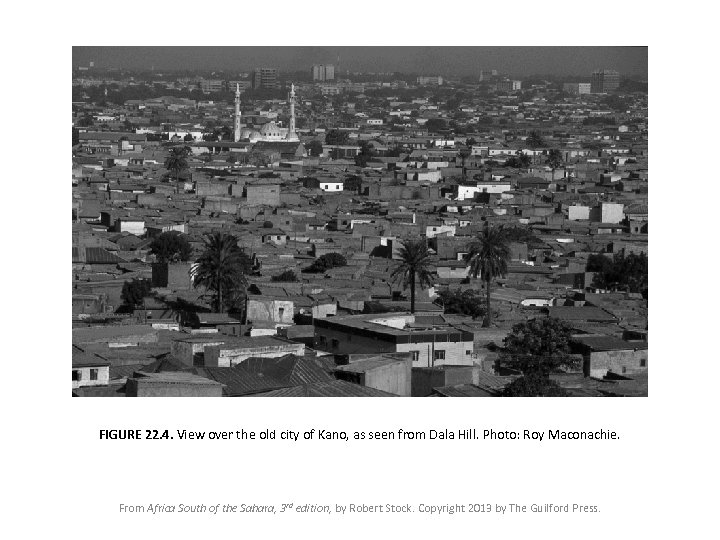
(316, 231)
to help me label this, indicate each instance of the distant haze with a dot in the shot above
(425, 60)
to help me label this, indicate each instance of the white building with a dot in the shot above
(328, 185)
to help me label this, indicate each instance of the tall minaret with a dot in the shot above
(237, 112)
(291, 127)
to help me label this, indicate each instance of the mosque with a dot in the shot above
(270, 132)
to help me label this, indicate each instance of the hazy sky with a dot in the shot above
(426, 60)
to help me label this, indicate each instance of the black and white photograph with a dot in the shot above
(292, 221)
(359, 200)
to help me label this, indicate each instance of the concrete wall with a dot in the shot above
(625, 362)
(424, 380)
(322, 311)
(220, 205)
(456, 353)
(205, 188)
(133, 227)
(268, 195)
(103, 376)
(577, 212)
(185, 351)
(394, 378)
(277, 311)
(348, 344)
(228, 356)
(175, 276)
(439, 230)
(445, 272)
(608, 213)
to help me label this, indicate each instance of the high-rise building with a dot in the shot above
(508, 85)
(604, 80)
(212, 85)
(577, 89)
(432, 81)
(265, 78)
(323, 72)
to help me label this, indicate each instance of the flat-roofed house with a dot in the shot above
(430, 340)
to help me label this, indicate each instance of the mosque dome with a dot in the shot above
(247, 133)
(270, 129)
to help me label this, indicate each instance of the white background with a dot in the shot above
(60, 480)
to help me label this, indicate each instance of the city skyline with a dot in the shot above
(459, 61)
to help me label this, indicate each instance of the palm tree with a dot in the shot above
(415, 266)
(488, 257)
(222, 268)
(177, 161)
(534, 140)
(464, 153)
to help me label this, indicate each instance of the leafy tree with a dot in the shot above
(538, 347)
(533, 385)
(86, 121)
(379, 307)
(488, 257)
(535, 140)
(415, 267)
(597, 262)
(519, 233)
(622, 273)
(288, 276)
(225, 133)
(366, 153)
(268, 225)
(134, 291)
(435, 125)
(615, 102)
(314, 148)
(464, 153)
(352, 183)
(177, 161)
(171, 246)
(467, 302)
(188, 138)
(257, 159)
(337, 137)
(554, 160)
(326, 262)
(519, 161)
(75, 136)
(452, 104)
(221, 269)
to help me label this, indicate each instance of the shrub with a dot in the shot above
(288, 276)
(326, 262)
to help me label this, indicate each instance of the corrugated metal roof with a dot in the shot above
(330, 389)
(462, 390)
(289, 370)
(238, 380)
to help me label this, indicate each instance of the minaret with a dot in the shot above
(237, 112)
(291, 128)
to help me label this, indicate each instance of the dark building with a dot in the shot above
(265, 78)
(604, 80)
